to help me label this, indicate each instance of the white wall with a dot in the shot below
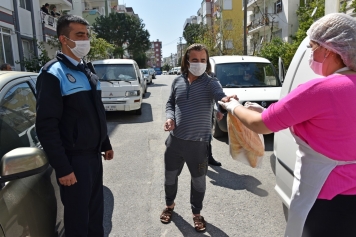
(7, 4)
(331, 6)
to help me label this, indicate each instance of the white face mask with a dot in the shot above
(317, 67)
(81, 48)
(197, 69)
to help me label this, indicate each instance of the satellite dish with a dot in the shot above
(313, 13)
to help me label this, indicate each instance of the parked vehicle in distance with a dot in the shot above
(123, 85)
(164, 73)
(285, 147)
(171, 72)
(251, 78)
(176, 70)
(158, 70)
(30, 201)
(146, 75)
(152, 72)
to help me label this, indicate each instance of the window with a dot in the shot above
(17, 118)
(27, 49)
(228, 24)
(229, 44)
(6, 55)
(156, 49)
(227, 5)
(22, 4)
(278, 6)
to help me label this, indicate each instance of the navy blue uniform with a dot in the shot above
(71, 126)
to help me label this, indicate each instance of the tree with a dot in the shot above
(166, 67)
(35, 63)
(125, 32)
(99, 48)
(274, 49)
(192, 32)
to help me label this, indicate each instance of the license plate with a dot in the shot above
(110, 107)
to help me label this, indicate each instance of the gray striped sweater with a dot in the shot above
(191, 106)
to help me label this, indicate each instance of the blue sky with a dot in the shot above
(164, 19)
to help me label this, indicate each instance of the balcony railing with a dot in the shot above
(257, 23)
(49, 20)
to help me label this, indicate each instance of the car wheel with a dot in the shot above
(216, 131)
(139, 111)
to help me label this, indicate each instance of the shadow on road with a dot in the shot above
(108, 210)
(227, 179)
(156, 85)
(147, 95)
(187, 229)
(126, 117)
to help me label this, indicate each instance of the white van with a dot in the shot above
(284, 145)
(250, 78)
(122, 84)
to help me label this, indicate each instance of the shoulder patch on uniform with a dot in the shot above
(70, 78)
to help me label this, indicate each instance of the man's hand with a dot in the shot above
(219, 115)
(68, 180)
(227, 98)
(169, 125)
(230, 106)
(108, 155)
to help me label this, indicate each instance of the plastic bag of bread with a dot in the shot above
(245, 145)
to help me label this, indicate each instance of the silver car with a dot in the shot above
(30, 204)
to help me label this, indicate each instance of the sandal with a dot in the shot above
(166, 215)
(199, 223)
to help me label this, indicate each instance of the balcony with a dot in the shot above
(261, 24)
(49, 24)
(60, 4)
(251, 4)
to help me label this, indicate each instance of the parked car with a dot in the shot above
(176, 70)
(123, 85)
(152, 72)
(30, 202)
(251, 78)
(164, 73)
(146, 74)
(285, 148)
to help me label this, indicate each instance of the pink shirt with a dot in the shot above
(322, 113)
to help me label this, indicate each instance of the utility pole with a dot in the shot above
(171, 60)
(180, 46)
(245, 27)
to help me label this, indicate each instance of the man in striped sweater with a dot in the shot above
(188, 111)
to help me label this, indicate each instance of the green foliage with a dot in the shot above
(35, 63)
(141, 60)
(125, 32)
(274, 49)
(353, 5)
(99, 48)
(343, 7)
(194, 32)
(166, 67)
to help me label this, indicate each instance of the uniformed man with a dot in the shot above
(71, 127)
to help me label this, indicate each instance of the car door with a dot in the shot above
(29, 206)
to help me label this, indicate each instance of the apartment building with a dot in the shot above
(204, 13)
(270, 18)
(154, 54)
(227, 16)
(21, 25)
(189, 21)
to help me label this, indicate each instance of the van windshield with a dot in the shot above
(115, 72)
(246, 75)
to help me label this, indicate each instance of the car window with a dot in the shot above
(144, 71)
(116, 72)
(246, 75)
(17, 119)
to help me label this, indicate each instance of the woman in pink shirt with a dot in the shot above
(322, 117)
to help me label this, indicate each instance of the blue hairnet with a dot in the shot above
(336, 32)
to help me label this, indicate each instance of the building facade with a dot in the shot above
(154, 55)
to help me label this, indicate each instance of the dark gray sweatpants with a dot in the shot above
(194, 153)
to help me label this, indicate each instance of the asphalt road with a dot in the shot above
(240, 201)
